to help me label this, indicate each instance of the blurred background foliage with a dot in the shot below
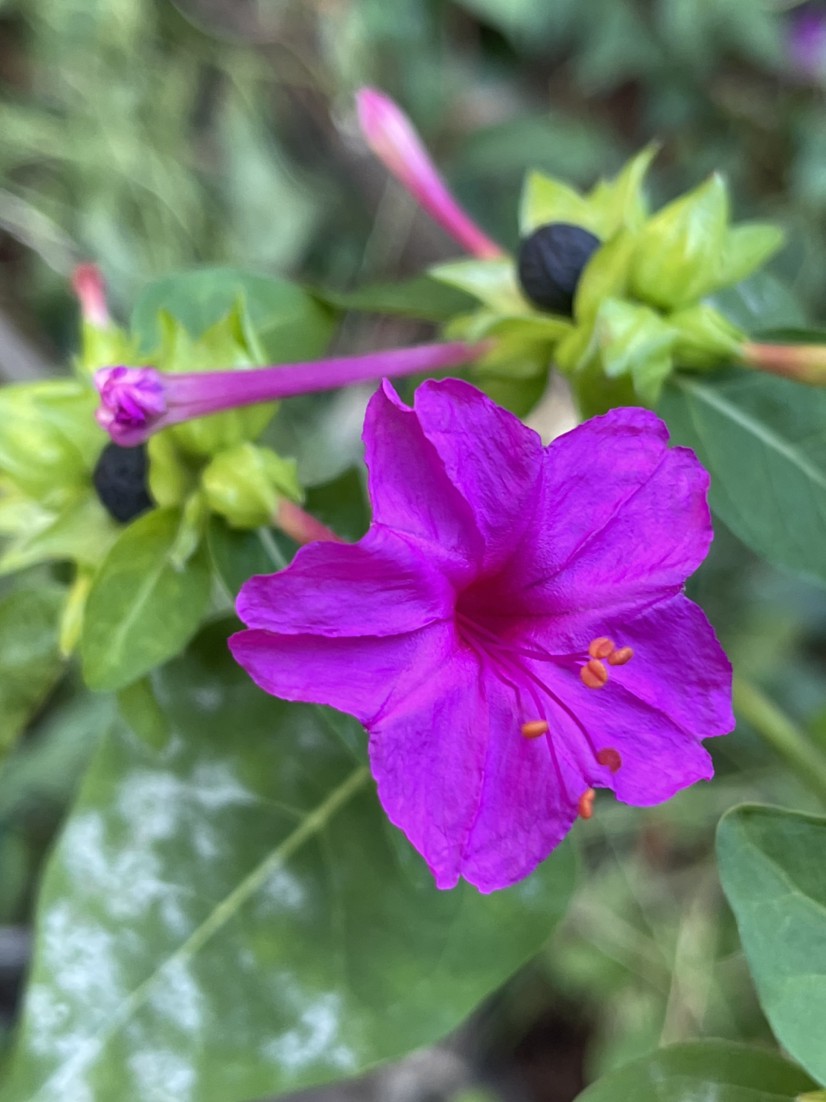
(151, 135)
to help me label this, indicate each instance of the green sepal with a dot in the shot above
(705, 339)
(679, 250)
(171, 476)
(605, 276)
(492, 282)
(49, 439)
(225, 346)
(105, 346)
(746, 247)
(244, 484)
(621, 202)
(546, 199)
(81, 532)
(635, 340)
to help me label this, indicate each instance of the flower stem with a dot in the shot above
(301, 526)
(804, 363)
(779, 732)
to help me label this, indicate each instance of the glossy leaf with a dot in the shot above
(773, 874)
(288, 322)
(30, 661)
(420, 297)
(143, 606)
(762, 440)
(759, 304)
(232, 916)
(704, 1071)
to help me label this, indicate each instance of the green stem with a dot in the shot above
(785, 738)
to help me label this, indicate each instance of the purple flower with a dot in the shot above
(137, 401)
(392, 137)
(482, 629)
(807, 43)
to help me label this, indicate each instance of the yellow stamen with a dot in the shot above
(601, 647)
(585, 807)
(594, 674)
(620, 657)
(535, 728)
(610, 758)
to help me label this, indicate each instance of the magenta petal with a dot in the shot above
(489, 455)
(455, 774)
(624, 519)
(362, 676)
(409, 488)
(379, 586)
(678, 667)
(659, 757)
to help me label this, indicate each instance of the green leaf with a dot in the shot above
(141, 608)
(237, 554)
(711, 1071)
(492, 282)
(774, 877)
(341, 504)
(762, 440)
(30, 661)
(289, 323)
(420, 297)
(758, 304)
(635, 340)
(233, 917)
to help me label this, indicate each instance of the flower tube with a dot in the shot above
(138, 401)
(87, 284)
(392, 137)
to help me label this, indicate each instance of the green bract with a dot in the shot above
(638, 310)
(140, 589)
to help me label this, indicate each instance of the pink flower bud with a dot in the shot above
(392, 137)
(87, 284)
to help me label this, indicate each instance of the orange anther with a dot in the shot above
(585, 807)
(620, 657)
(610, 758)
(535, 728)
(594, 675)
(600, 648)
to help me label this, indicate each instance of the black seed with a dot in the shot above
(551, 262)
(120, 478)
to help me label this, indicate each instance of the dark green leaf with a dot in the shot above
(759, 304)
(143, 606)
(705, 1071)
(290, 324)
(30, 660)
(233, 916)
(421, 297)
(773, 873)
(341, 504)
(762, 439)
(238, 553)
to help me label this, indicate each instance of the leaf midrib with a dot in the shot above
(312, 824)
(766, 436)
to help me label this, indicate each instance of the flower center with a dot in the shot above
(537, 703)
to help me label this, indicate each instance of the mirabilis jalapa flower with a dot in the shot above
(512, 630)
